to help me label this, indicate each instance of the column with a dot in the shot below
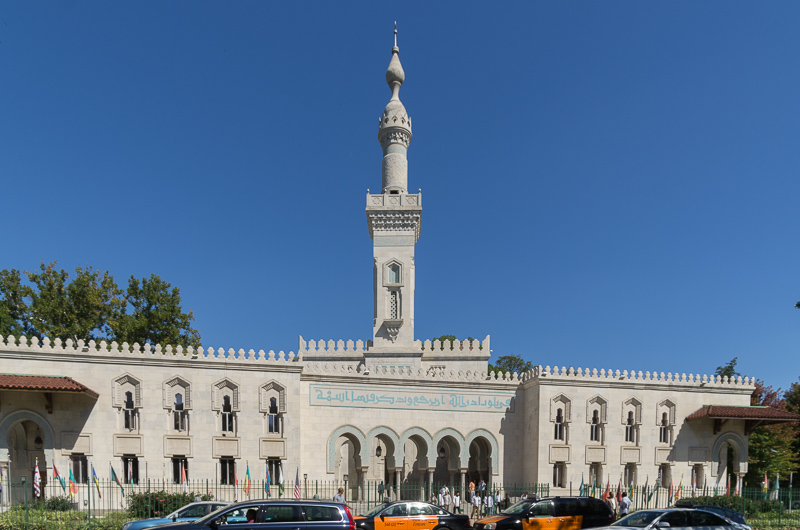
(397, 482)
(462, 476)
(430, 484)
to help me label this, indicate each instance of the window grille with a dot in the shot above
(393, 306)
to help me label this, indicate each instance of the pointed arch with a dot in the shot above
(26, 415)
(739, 450)
(463, 448)
(425, 436)
(399, 450)
(489, 437)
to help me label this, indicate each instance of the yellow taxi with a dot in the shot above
(553, 513)
(405, 515)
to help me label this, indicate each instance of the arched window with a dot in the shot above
(273, 417)
(179, 414)
(630, 428)
(129, 409)
(594, 429)
(394, 273)
(227, 414)
(663, 431)
(559, 425)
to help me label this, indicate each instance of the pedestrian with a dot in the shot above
(498, 501)
(457, 502)
(476, 506)
(441, 498)
(481, 487)
(339, 497)
(624, 505)
(448, 500)
(471, 492)
(523, 496)
(489, 503)
(611, 502)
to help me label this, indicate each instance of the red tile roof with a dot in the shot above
(727, 412)
(43, 383)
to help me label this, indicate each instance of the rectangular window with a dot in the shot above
(596, 474)
(180, 468)
(130, 419)
(665, 472)
(594, 432)
(663, 434)
(130, 469)
(630, 475)
(559, 474)
(629, 433)
(274, 465)
(227, 470)
(80, 468)
(559, 431)
(227, 422)
(273, 423)
(179, 420)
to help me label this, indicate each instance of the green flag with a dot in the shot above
(116, 479)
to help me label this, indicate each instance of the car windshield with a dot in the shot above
(215, 514)
(638, 519)
(518, 508)
(375, 511)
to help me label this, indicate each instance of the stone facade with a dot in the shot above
(390, 409)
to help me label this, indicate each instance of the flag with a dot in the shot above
(729, 486)
(96, 482)
(670, 490)
(581, 490)
(594, 487)
(765, 488)
(115, 478)
(57, 475)
(184, 485)
(679, 490)
(604, 496)
(280, 479)
(73, 486)
(297, 484)
(235, 483)
(130, 470)
(1, 482)
(37, 481)
(247, 481)
(266, 482)
(619, 491)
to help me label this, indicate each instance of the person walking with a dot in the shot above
(448, 500)
(476, 506)
(624, 505)
(611, 502)
(339, 497)
(457, 502)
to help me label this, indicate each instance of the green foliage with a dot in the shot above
(792, 401)
(738, 503)
(157, 317)
(63, 503)
(92, 307)
(511, 363)
(159, 503)
(728, 369)
(770, 449)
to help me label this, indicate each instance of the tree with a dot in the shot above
(728, 369)
(770, 449)
(792, 400)
(157, 317)
(511, 363)
(92, 307)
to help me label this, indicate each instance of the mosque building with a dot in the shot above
(392, 408)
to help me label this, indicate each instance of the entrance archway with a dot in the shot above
(25, 436)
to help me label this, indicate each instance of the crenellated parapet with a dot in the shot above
(137, 351)
(577, 374)
(455, 348)
(324, 348)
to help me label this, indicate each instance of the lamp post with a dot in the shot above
(345, 486)
(305, 484)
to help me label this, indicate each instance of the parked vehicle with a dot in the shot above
(681, 518)
(552, 513)
(190, 512)
(411, 516)
(275, 514)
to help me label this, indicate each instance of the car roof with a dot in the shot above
(285, 501)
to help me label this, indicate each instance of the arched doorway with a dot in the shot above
(25, 439)
(479, 467)
(730, 461)
(448, 462)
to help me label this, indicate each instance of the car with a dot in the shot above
(274, 514)
(733, 515)
(687, 518)
(190, 512)
(409, 515)
(569, 513)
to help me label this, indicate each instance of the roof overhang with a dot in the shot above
(753, 416)
(44, 383)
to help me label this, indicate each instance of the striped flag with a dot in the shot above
(280, 479)
(73, 486)
(581, 485)
(57, 475)
(247, 481)
(96, 482)
(266, 482)
(184, 485)
(37, 481)
(235, 482)
(297, 484)
(115, 478)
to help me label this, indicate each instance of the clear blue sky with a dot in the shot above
(606, 184)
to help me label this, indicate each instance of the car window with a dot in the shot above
(542, 509)
(236, 515)
(637, 519)
(567, 507)
(674, 519)
(419, 508)
(396, 510)
(701, 518)
(323, 513)
(198, 510)
(281, 513)
(518, 508)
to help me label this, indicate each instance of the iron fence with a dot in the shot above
(107, 504)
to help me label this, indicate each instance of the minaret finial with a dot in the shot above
(395, 34)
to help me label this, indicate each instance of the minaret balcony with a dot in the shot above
(391, 201)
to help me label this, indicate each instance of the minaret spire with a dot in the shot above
(393, 217)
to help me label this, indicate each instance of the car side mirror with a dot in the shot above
(216, 522)
(662, 525)
(383, 517)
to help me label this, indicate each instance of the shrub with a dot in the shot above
(59, 504)
(158, 503)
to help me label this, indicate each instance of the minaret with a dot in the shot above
(394, 219)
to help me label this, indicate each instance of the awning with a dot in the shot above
(754, 416)
(44, 383)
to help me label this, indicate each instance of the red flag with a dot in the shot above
(619, 492)
(604, 496)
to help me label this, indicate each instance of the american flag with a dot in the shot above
(297, 484)
(37, 481)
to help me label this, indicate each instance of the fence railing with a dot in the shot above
(107, 504)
